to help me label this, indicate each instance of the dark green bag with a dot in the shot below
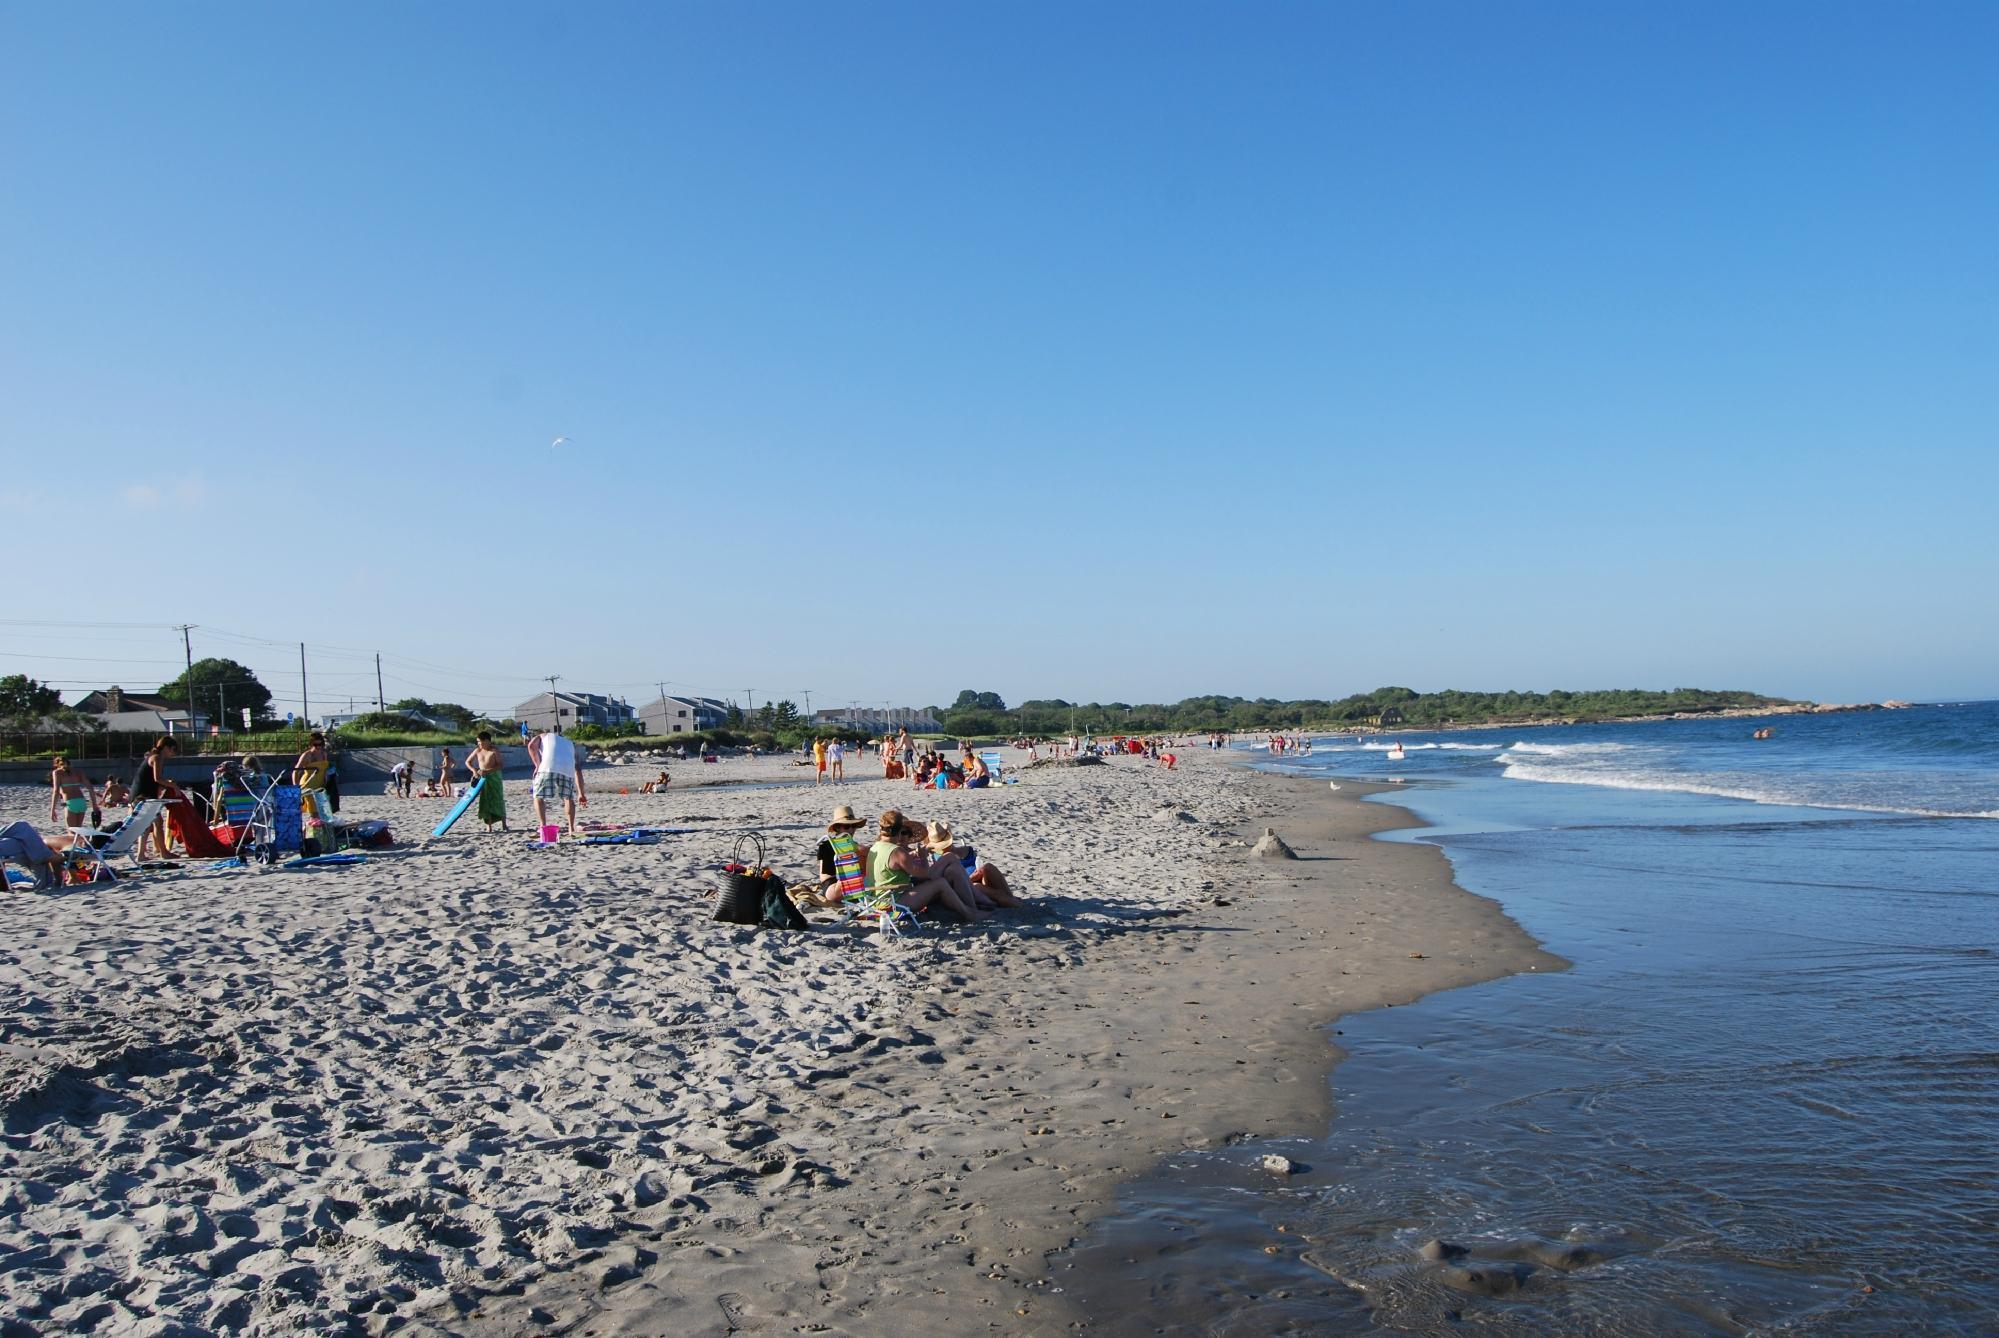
(779, 913)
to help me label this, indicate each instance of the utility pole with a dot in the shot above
(187, 648)
(304, 697)
(554, 706)
(808, 704)
(221, 704)
(381, 702)
(751, 693)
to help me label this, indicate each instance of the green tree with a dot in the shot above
(969, 700)
(969, 724)
(223, 683)
(460, 717)
(25, 703)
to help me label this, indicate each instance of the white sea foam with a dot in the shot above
(1621, 779)
(1419, 747)
(1565, 749)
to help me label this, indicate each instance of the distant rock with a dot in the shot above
(1279, 1165)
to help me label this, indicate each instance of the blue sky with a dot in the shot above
(1119, 351)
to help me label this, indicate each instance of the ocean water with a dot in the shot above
(1764, 1100)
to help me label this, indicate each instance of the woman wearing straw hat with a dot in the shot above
(987, 887)
(896, 863)
(841, 860)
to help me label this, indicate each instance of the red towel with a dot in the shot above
(192, 832)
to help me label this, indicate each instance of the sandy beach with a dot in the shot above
(473, 1087)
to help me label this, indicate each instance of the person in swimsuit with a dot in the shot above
(485, 764)
(444, 774)
(986, 889)
(70, 793)
(151, 783)
(309, 774)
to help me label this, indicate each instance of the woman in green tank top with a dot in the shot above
(892, 865)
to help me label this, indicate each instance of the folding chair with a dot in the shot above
(253, 818)
(878, 904)
(122, 843)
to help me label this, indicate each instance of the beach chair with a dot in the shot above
(877, 905)
(253, 819)
(121, 844)
(995, 767)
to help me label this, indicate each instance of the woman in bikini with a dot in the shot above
(70, 793)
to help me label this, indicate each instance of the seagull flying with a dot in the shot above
(557, 442)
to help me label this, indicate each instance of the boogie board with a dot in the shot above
(323, 861)
(459, 809)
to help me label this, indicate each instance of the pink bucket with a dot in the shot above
(550, 831)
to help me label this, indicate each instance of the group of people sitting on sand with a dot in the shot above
(918, 865)
(932, 770)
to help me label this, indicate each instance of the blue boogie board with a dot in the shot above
(460, 809)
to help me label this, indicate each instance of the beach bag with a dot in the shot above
(744, 883)
(778, 912)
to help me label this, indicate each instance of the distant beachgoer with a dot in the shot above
(557, 775)
(487, 766)
(836, 759)
(819, 761)
(70, 793)
(444, 774)
(657, 786)
(402, 778)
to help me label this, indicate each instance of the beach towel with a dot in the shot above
(287, 823)
(493, 800)
(238, 804)
(192, 832)
(324, 861)
(848, 879)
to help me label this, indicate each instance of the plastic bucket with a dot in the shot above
(550, 831)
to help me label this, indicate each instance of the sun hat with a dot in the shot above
(939, 837)
(843, 816)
